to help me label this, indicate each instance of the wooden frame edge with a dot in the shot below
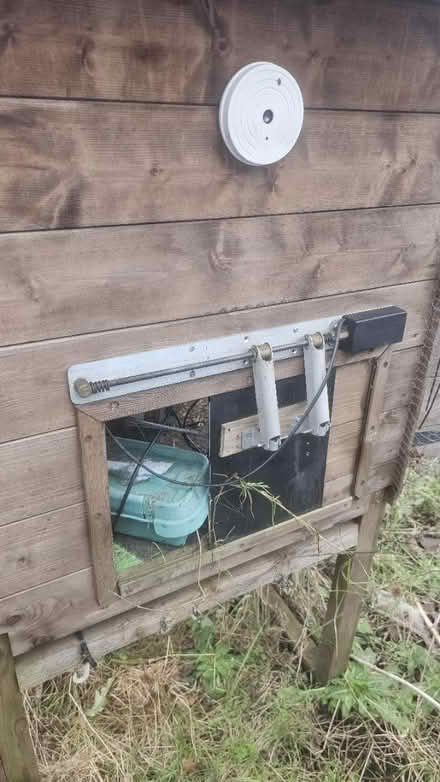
(49, 660)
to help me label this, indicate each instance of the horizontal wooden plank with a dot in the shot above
(131, 404)
(43, 548)
(55, 609)
(344, 54)
(135, 624)
(68, 164)
(39, 474)
(342, 487)
(182, 569)
(60, 283)
(34, 396)
(343, 454)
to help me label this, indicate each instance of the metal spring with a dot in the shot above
(96, 386)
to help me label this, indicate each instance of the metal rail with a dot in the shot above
(86, 388)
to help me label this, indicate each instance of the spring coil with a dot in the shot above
(96, 386)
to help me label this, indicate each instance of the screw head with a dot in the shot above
(82, 387)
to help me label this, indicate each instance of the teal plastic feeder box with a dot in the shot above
(155, 509)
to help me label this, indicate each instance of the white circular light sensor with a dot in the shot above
(261, 113)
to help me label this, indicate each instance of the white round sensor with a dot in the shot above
(261, 113)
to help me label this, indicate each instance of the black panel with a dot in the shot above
(295, 475)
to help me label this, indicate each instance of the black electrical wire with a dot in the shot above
(432, 396)
(272, 456)
(170, 411)
(428, 411)
(140, 464)
(133, 477)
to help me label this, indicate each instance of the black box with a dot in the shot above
(368, 330)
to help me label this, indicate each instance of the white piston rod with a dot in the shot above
(318, 420)
(266, 396)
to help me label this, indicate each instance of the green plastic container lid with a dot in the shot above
(158, 510)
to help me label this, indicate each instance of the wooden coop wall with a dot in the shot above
(126, 225)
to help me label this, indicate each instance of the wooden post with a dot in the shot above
(95, 481)
(292, 626)
(18, 762)
(348, 587)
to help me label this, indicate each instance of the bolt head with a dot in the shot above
(82, 387)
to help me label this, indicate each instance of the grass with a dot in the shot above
(225, 697)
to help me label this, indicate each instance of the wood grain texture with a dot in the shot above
(39, 474)
(49, 464)
(131, 404)
(295, 630)
(134, 625)
(95, 484)
(375, 406)
(348, 588)
(60, 283)
(344, 452)
(34, 550)
(17, 753)
(34, 397)
(57, 608)
(68, 164)
(186, 51)
(53, 609)
(182, 569)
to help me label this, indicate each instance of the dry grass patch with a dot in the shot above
(226, 698)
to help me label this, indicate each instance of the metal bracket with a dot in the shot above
(318, 420)
(113, 377)
(266, 397)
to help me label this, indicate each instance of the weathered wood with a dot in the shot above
(96, 492)
(95, 482)
(186, 52)
(291, 624)
(348, 588)
(59, 607)
(415, 298)
(34, 551)
(31, 618)
(344, 449)
(39, 474)
(51, 462)
(54, 609)
(34, 396)
(73, 282)
(131, 163)
(201, 564)
(373, 419)
(163, 614)
(16, 749)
